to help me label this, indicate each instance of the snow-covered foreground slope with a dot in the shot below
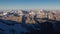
(13, 27)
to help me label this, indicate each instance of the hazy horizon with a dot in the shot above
(29, 4)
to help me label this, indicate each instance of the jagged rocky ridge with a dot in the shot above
(30, 16)
(40, 25)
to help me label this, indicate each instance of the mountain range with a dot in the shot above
(28, 16)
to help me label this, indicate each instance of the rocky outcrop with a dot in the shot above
(30, 23)
(31, 16)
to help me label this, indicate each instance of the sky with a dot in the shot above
(29, 4)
